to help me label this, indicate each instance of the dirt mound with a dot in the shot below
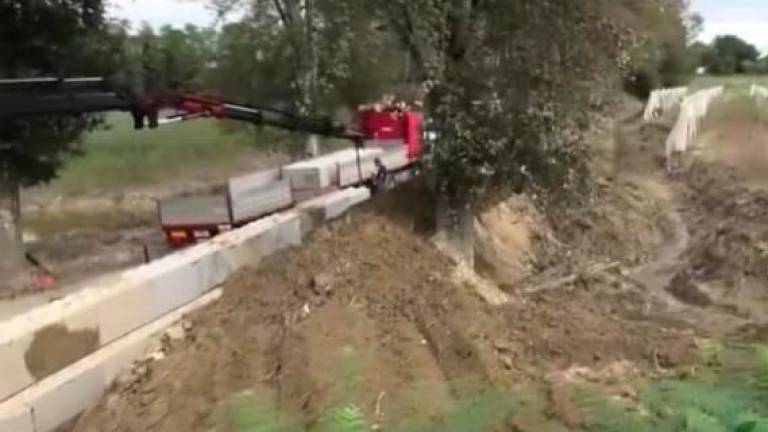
(723, 267)
(364, 323)
(729, 229)
(627, 220)
(510, 238)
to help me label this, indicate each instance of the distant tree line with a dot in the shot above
(728, 55)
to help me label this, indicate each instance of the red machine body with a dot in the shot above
(394, 125)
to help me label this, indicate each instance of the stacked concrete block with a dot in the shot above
(123, 312)
(663, 101)
(133, 298)
(333, 205)
(317, 173)
(249, 201)
(322, 172)
(692, 110)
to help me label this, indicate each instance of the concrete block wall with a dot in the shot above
(96, 316)
(114, 322)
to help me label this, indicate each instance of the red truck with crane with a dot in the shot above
(386, 137)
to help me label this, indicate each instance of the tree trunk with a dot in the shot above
(11, 244)
(456, 232)
(313, 146)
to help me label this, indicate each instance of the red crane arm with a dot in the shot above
(22, 98)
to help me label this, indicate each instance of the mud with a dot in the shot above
(54, 347)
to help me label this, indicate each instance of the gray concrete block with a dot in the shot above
(252, 200)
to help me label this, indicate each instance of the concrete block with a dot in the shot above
(395, 158)
(66, 395)
(24, 339)
(125, 303)
(311, 174)
(254, 196)
(256, 179)
(395, 153)
(350, 174)
(156, 289)
(61, 397)
(320, 172)
(16, 418)
(14, 376)
(358, 196)
(334, 204)
(260, 239)
(136, 297)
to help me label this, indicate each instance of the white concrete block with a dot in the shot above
(16, 418)
(67, 395)
(260, 239)
(18, 334)
(14, 376)
(250, 199)
(335, 204)
(320, 172)
(157, 289)
(61, 397)
(139, 296)
(350, 173)
(358, 196)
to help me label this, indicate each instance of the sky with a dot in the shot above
(747, 19)
(159, 12)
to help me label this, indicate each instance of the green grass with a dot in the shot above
(728, 393)
(736, 104)
(119, 156)
(731, 81)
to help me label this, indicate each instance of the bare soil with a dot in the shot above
(368, 308)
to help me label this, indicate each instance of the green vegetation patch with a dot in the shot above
(120, 156)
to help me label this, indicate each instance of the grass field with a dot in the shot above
(732, 81)
(119, 156)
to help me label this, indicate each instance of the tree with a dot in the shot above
(172, 60)
(663, 56)
(310, 56)
(730, 55)
(39, 38)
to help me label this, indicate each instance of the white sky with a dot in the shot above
(160, 12)
(747, 19)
